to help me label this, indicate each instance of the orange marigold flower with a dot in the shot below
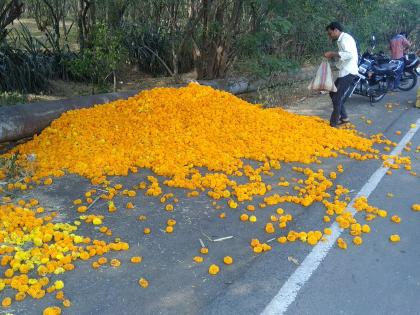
(136, 259)
(228, 260)
(143, 283)
(214, 269)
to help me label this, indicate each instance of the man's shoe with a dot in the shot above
(343, 122)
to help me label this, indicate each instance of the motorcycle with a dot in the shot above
(410, 69)
(374, 78)
(410, 72)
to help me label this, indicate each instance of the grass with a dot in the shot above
(12, 98)
(30, 24)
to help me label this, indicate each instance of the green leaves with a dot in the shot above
(105, 54)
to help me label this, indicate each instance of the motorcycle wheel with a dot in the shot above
(408, 81)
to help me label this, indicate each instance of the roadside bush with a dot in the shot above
(22, 71)
(101, 59)
(148, 48)
(26, 63)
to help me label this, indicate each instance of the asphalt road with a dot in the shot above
(376, 278)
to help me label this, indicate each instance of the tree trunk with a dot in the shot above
(116, 12)
(214, 54)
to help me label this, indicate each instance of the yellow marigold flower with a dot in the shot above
(415, 207)
(265, 247)
(97, 221)
(169, 207)
(204, 250)
(129, 205)
(269, 228)
(143, 283)
(111, 207)
(382, 213)
(102, 260)
(198, 259)
(52, 310)
(6, 302)
(115, 262)
(394, 238)
(95, 265)
(232, 204)
(214, 269)
(282, 239)
(250, 208)
(254, 242)
(395, 219)
(146, 230)
(370, 217)
(280, 211)
(58, 284)
(171, 222)
(20, 296)
(77, 202)
(357, 240)
(66, 303)
(253, 219)
(366, 228)
(59, 295)
(341, 243)
(228, 260)
(48, 181)
(132, 193)
(82, 209)
(169, 229)
(142, 218)
(136, 259)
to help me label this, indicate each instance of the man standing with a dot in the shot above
(348, 69)
(397, 45)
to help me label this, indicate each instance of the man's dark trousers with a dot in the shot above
(343, 84)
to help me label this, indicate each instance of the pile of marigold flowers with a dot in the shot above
(199, 139)
(175, 131)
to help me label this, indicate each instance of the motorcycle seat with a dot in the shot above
(387, 68)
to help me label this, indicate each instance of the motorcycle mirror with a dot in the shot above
(373, 42)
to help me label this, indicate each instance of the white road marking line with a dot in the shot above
(297, 280)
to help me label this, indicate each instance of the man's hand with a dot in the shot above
(331, 54)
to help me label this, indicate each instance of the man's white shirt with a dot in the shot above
(348, 55)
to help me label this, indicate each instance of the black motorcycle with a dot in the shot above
(409, 72)
(374, 79)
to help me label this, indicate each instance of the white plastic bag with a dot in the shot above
(323, 80)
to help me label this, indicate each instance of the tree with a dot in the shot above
(9, 11)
